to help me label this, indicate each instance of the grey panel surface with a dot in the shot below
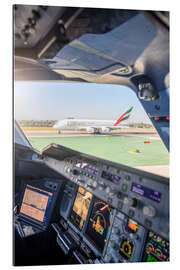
(125, 43)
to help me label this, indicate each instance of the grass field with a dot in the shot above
(114, 148)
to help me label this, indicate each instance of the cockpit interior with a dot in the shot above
(70, 207)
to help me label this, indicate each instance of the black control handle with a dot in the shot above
(80, 258)
(56, 228)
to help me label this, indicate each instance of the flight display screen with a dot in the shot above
(156, 248)
(36, 203)
(80, 208)
(146, 192)
(98, 225)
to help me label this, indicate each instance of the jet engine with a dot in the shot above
(90, 130)
(105, 130)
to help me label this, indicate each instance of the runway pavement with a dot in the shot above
(162, 170)
(146, 133)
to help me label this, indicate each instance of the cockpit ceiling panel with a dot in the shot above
(77, 57)
(124, 44)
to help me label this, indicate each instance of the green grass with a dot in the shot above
(114, 148)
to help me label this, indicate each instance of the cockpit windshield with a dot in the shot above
(102, 120)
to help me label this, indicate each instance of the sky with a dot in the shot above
(57, 101)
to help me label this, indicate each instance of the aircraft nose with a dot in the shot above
(55, 126)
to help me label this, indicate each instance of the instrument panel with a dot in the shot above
(107, 233)
(102, 212)
(141, 196)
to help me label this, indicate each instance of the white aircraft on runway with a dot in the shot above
(92, 126)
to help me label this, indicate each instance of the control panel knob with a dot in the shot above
(149, 211)
(101, 185)
(80, 180)
(91, 184)
(133, 236)
(110, 191)
(130, 201)
(68, 170)
(75, 172)
(94, 184)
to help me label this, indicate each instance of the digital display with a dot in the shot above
(80, 208)
(111, 177)
(131, 226)
(36, 203)
(146, 192)
(98, 225)
(156, 248)
(126, 248)
(87, 167)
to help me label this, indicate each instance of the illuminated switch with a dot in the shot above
(124, 187)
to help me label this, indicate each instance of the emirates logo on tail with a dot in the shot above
(124, 116)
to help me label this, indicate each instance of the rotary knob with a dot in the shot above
(149, 211)
(130, 201)
(110, 192)
(101, 186)
(91, 184)
(133, 236)
(75, 172)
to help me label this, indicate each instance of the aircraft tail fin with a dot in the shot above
(123, 117)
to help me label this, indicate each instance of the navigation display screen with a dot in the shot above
(80, 208)
(98, 225)
(36, 203)
(156, 248)
(146, 192)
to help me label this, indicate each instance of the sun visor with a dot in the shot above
(30, 70)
